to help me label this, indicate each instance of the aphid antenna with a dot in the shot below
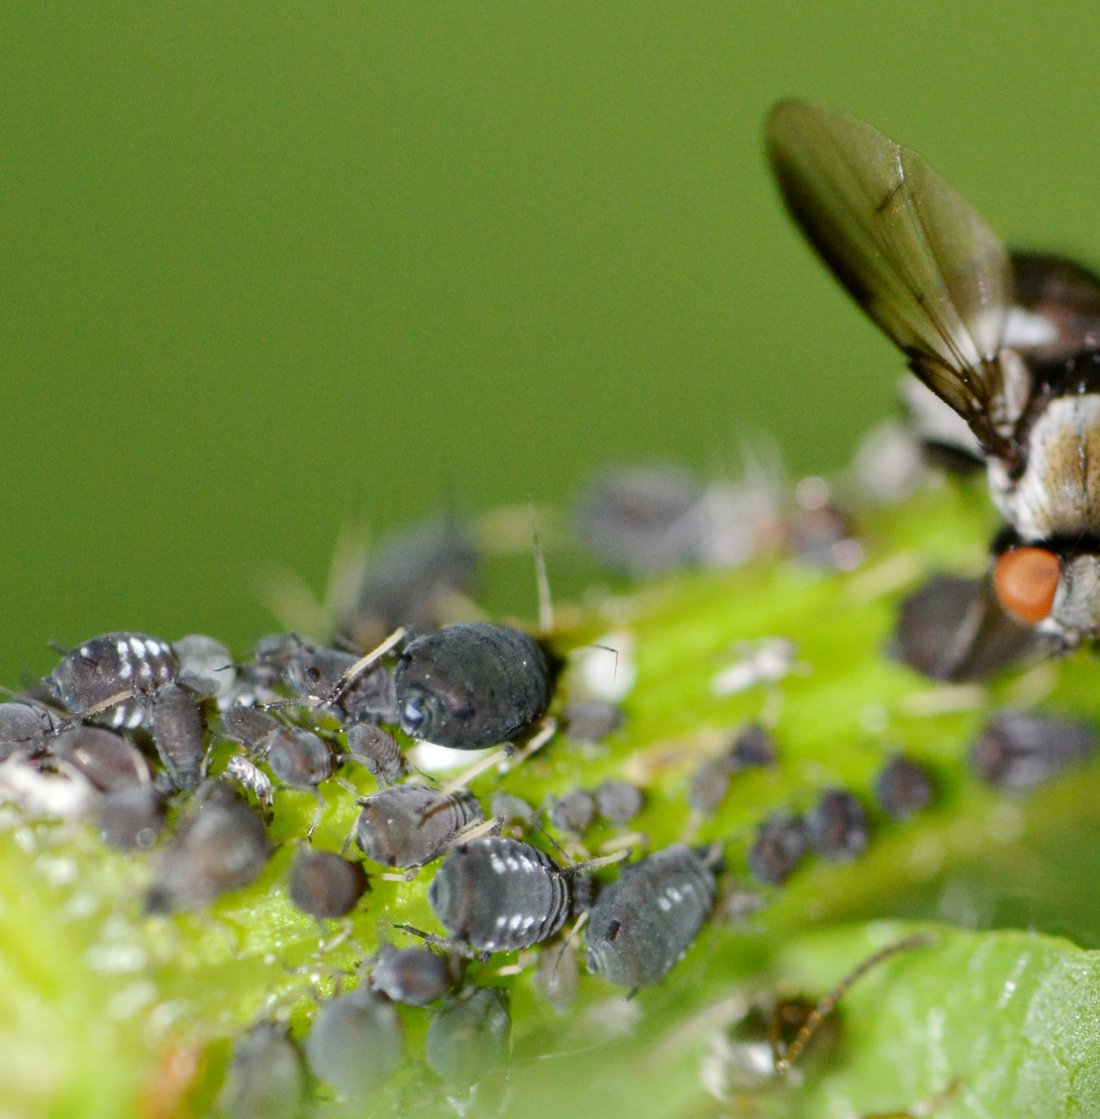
(368, 660)
(542, 579)
(595, 864)
(478, 829)
(79, 719)
(817, 1016)
(453, 946)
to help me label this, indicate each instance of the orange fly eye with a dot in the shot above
(1025, 581)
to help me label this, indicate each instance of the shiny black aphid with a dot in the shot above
(903, 787)
(780, 845)
(409, 825)
(837, 826)
(619, 801)
(25, 728)
(105, 758)
(469, 1037)
(1019, 751)
(378, 751)
(414, 976)
(132, 816)
(266, 1077)
(356, 1042)
(324, 885)
(179, 736)
(90, 678)
(499, 894)
(471, 685)
(221, 845)
(646, 920)
(298, 757)
(1007, 346)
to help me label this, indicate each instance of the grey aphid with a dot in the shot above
(105, 758)
(132, 816)
(903, 787)
(179, 736)
(511, 809)
(298, 757)
(469, 1037)
(25, 728)
(89, 678)
(324, 885)
(619, 801)
(356, 1042)
(837, 826)
(313, 673)
(378, 751)
(1018, 751)
(574, 812)
(471, 685)
(646, 920)
(409, 825)
(781, 844)
(247, 725)
(221, 845)
(591, 720)
(266, 1077)
(415, 976)
(498, 894)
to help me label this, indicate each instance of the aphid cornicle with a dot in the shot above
(1010, 344)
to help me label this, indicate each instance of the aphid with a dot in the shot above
(298, 757)
(378, 750)
(469, 1037)
(317, 674)
(110, 678)
(619, 801)
(221, 845)
(356, 1042)
(409, 825)
(205, 667)
(471, 685)
(753, 747)
(266, 1077)
(105, 758)
(574, 812)
(324, 885)
(781, 844)
(414, 976)
(1009, 344)
(903, 787)
(557, 975)
(709, 784)
(644, 922)
(132, 816)
(591, 720)
(25, 728)
(1018, 751)
(837, 826)
(178, 734)
(510, 809)
(499, 894)
(247, 725)
(251, 778)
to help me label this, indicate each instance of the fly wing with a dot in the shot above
(909, 249)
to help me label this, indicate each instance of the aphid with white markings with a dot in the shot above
(499, 894)
(409, 825)
(266, 1077)
(469, 1036)
(110, 678)
(324, 885)
(414, 976)
(1009, 344)
(356, 1042)
(644, 922)
(1018, 750)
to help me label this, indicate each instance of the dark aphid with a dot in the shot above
(575, 812)
(415, 976)
(25, 728)
(132, 816)
(247, 725)
(266, 1077)
(323, 884)
(356, 1042)
(646, 920)
(409, 825)
(753, 747)
(221, 845)
(837, 826)
(110, 678)
(179, 736)
(499, 894)
(205, 667)
(469, 1037)
(510, 809)
(781, 844)
(903, 787)
(709, 784)
(378, 751)
(1019, 751)
(952, 628)
(298, 757)
(105, 758)
(619, 801)
(591, 720)
(471, 685)
(314, 673)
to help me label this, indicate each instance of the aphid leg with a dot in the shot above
(316, 815)
(784, 1061)
(595, 864)
(476, 770)
(476, 829)
(455, 946)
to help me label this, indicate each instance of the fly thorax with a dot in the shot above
(1076, 610)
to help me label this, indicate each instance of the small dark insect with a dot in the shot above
(178, 734)
(499, 894)
(619, 801)
(356, 1042)
(644, 922)
(409, 825)
(221, 845)
(414, 976)
(575, 812)
(266, 1077)
(247, 725)
(25, 728)
(378, 751)
(903, 787)
(469, 1037)
(471, 685)
(105, 758)
(837, 826)
(753, 747)
(324, 885)
(709, 784)
(132, 816)
(205, 667)
(780, 845)
(591, 720)
(510, 809)
(298, 757)
(315, 673)
(1018, 751)
(109, 678)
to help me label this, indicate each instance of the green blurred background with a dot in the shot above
(270, 267)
